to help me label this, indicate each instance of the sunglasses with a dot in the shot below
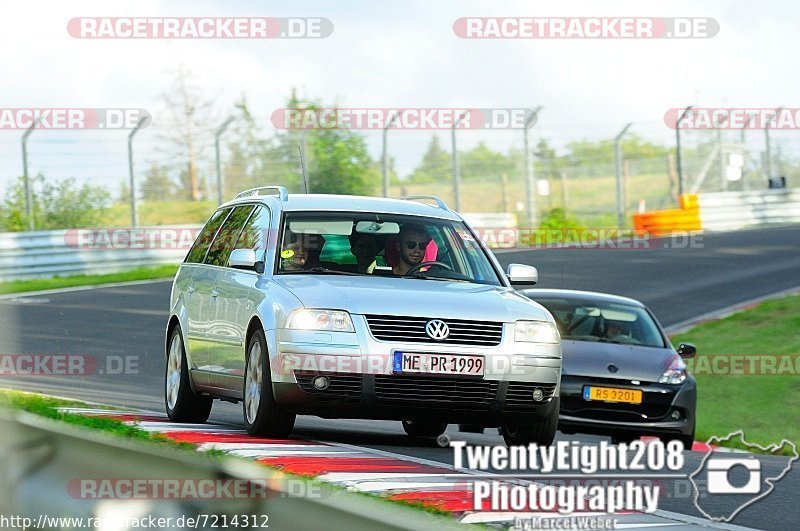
(411, 245)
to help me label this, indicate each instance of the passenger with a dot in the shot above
(412, 243)
(294, 256)
(365, 247)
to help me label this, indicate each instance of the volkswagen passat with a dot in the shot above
(621, 377)
(356, 307)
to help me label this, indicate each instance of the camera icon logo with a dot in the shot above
(729, 479)
(719, 472)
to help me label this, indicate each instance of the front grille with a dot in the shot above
(343, 388)
(436, 390)
(520, 395)
(412, 329)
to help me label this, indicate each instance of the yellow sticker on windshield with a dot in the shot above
(287, 253)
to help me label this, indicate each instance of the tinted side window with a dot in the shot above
(203, 241)
(222, 246)
(255, 233)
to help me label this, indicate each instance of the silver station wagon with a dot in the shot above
(357, 307)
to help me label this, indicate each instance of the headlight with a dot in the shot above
(675, 373)
(330, 320)
(536, 332)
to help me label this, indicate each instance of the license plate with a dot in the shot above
(612, 394)
(420, 363)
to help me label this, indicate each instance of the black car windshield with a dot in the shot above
(376, 244)
(594, 320)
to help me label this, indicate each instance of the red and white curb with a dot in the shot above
(391, 476)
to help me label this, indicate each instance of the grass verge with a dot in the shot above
(765, 406)
(142, 273)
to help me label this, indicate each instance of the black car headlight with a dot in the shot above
(675, 373)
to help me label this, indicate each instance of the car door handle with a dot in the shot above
(214, 294)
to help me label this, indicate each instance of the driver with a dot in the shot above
(412, 243)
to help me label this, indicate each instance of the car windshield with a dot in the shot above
(377, 244)
(593, 320)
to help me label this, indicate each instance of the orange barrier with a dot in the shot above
(661, 222)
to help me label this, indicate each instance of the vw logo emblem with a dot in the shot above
(437, 329)
(613, 368)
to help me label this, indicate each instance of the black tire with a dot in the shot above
(470, 428)
(424, 429)
(181, 402)
(263, 417)
(542, 433)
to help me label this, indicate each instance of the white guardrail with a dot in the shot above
(44, 463)
(43, 254)
(723, 211)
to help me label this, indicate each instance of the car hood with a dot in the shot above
(412, 297)
(587, 358)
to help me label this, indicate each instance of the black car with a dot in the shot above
(621, 376)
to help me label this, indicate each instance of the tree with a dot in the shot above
(157, 185)
(189, 113)
(339, 163)
(56, 205)
(435, 164)
(337, 160)
(483, 163)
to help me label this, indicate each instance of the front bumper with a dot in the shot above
(652, 417)
(363, 384)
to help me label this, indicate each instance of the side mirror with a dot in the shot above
(245, 259)
(687, 350)
(522, 274)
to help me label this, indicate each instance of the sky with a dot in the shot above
(389, 54)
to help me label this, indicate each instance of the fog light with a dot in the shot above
(538, 394)
(675, 415)
(321, 383)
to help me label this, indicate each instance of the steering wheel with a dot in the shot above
(420, 265)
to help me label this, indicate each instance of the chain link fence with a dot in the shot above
(175, 170)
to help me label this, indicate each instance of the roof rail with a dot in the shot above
(436, 199)
(280, 191)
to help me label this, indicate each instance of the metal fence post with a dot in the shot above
(25, 178)
(456, 176)
(221, 129)
(530, 195)
(132, 185)
(618, 171)
(678, 149)
(767, 148)
(385, 157)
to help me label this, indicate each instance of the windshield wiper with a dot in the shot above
(323, 271)
(433, 277)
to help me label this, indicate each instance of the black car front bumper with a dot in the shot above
(654, 416)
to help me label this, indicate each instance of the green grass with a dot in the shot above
(142, 273)
(46, 406)
(766, 408)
